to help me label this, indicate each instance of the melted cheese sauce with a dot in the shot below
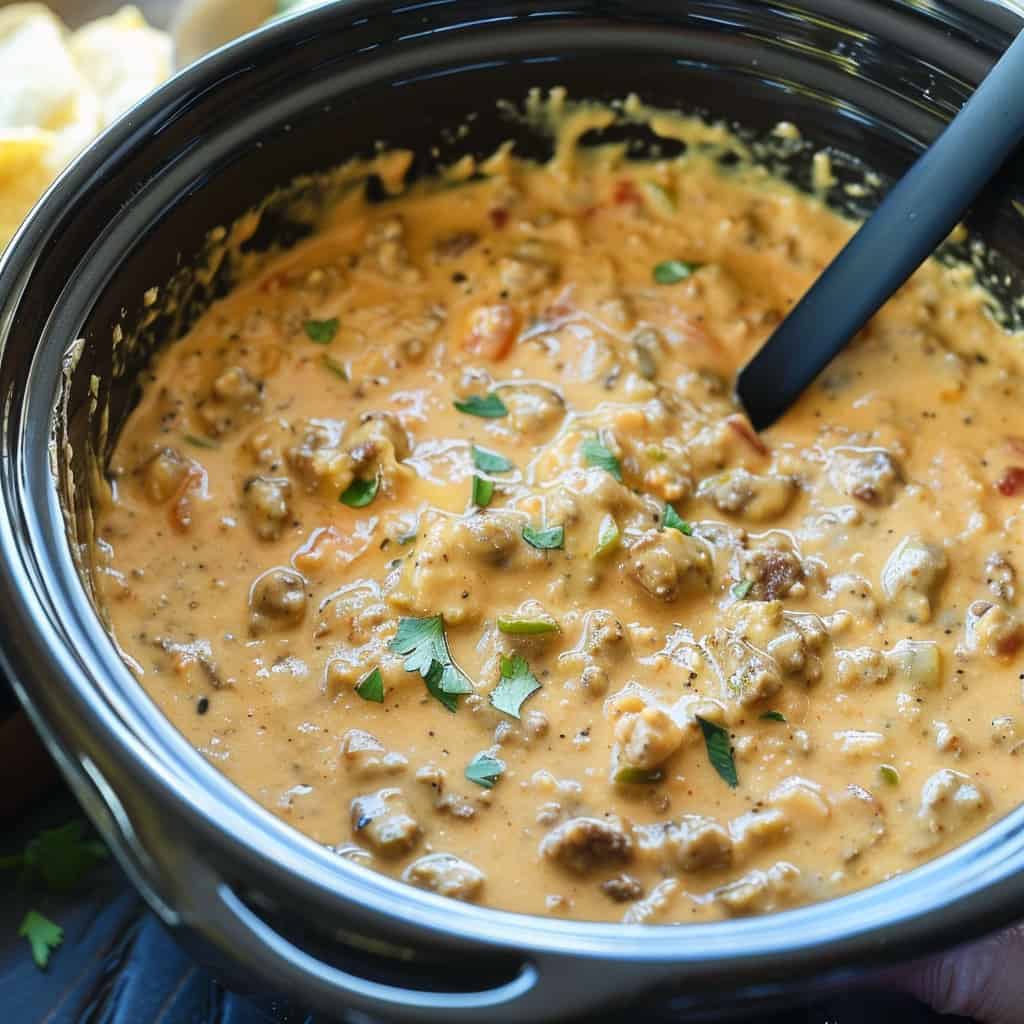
(828, 611)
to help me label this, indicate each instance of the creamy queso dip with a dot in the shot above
(445, 539)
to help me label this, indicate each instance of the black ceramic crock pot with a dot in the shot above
(250, 897)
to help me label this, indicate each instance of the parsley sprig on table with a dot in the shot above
(56, 859)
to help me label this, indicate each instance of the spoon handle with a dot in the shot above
(916, 215)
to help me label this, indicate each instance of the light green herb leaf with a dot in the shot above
(889, 775)
(515, 625)
(454, 680)
(485, 770)
(674, 521)
(483, 491)
(742, 589)
(43, 936)
(371, 687)
(596, 454)
(488, 407)
(674, 271)
(517, 683)
(607, 536)
(545, 540)
(336, 366)
(322, 332)
(773, 716)
(423, 642)
(360, 493)
(719, 746)
(491, 462)
(433, 683)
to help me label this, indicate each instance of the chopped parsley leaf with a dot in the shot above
(674, 271)
(360, 493)
(485, 770)
(488, 407)
(545, 540)
(742, 589)
(491, 462)
(597, 455)
(57, 857)
(423, 642)
(773, 716)
(719, 746)
(43, 936)
(322, 332)
(889, 775)
(674, 521)
(371, 687)
(517, 683)
(483, 491)
(434, 683)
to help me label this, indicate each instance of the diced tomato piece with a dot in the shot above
(625, 192)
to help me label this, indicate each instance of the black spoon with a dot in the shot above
(919, 212)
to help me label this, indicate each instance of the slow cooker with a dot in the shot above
(269, 115)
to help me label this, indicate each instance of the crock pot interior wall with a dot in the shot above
(307, 96)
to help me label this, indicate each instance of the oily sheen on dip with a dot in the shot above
(444, 538)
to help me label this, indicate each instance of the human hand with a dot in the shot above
(984, 980)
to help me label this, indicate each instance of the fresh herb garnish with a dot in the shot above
(426, 649)
(742, 589)
(607, 536)
(545, 540)
(517, 683)
(716, 739)
(485, 770)
(360, 493)
(44, 936)
(674, 271)
(322, 332)
(57, 857)
(516, 625)
(629, 775)
(596, 454)
(336, 366)
(773, 716)
(674, 521)
(491, 462)
(201, 442)
(433, 683)
(371, 687)
(488, 407)
(483, 491)
(889, 775)
(423, 642)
